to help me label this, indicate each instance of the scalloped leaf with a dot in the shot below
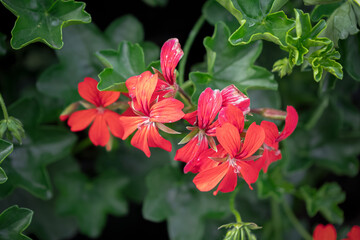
(324, 200)
(43, 20)
(184, 207)
(228, 64)
(13, 221)
(120, 64)
(5, 149)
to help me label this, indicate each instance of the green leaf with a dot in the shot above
(214, 13)
(156, 3)
(172, 197)
(120, 64)
(351, 60)
(229, 64)
(319, 2)
(90, 201)
(323, 11)
(76, 61)
(324, 200)
(2, 44)
(43, 20)
(125, 28)
(13, 221)
(5, 149)
(343, 22)
(41, 146)
(261, 23)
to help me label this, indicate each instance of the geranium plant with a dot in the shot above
(245, 127)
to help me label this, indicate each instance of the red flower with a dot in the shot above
(102, 119)
(170, 55)
(273, 137)
(234, 158)
(354, 233)
(322, 232)
(147, 114)
(232, 96)
(209, 104)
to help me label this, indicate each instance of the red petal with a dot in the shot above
(130, 124)
(191, 117)
(354, 233)
(228, 183)
(233, 115)
(229, 137)
(248, 171)
(233, 96)
(88, 91)
(209, 105)
(271, 132)
(207, 180)
(170, 56)
(291, 121)
(108, 97)
(322, 232)
(140, 140)
(254, 138)
(112, 120)
(99, 132)
(156, 140)
(79, 120)
(166, 111)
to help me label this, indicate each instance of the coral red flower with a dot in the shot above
(354, 233)
(209, 104)
(148, 113)
(102, 119)
(170, 55)
(273, 137)
(233, 96)
(322, 232)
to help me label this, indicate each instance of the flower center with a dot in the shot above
(100, 110)
(232, 162)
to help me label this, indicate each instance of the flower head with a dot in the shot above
(322, 232)
(103, 120)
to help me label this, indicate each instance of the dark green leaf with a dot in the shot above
(229, 64)
(151, 52)
(343, 22)
(214, 13)
(125, 28)
(351, 59)
(5, 149)
(319, 2)
(89, 201)
(173, 197)
(43, 20)
(324, 200)
(323, 11)
(156, 3)
(2, 44)
(120, 64)
(13, 221)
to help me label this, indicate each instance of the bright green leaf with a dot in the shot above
(120, 64)
(90, 201)
(172, 197)
(5, 149)
(13, 221)
(229, 64)
(43, 20)
(324, 200)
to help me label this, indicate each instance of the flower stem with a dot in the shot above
(276, 219)
(185, 96)
(232, 207)
(317, 113)
(3, 107)
(190, 40)
(301, 230)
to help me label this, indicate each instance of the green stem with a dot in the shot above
(3, 107)
(301, 230)
(276, 218)
(232, 207)
(185, 96)
(317, 113)
(194, 31)
(85, 143)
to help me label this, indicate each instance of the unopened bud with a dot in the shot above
(270, 113)
(68, 111)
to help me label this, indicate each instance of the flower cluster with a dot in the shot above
(328, 232)
(221, 145)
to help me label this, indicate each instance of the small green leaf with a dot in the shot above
(228, 64)
(13, 221)
(324, 200)
(90, 201)
(5, 149)
(120, 64)
(283, 67)
(43, 20)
